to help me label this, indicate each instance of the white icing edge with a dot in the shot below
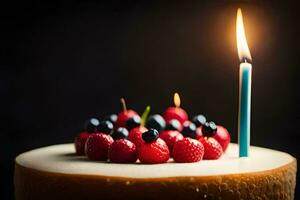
(61, 159)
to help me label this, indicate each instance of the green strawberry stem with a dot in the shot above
(145, 115)
(123, 102)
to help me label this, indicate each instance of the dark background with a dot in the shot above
(64, 62)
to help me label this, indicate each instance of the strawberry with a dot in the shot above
(79, 142)
(170, 137)
(122, 151)
(135, 135)
(188, 150)
(223, 137)
(212, 149)
(154, 150)
(97, 145)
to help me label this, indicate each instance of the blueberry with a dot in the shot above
(156, 122)
(199, 120)
(133, 122)
(105, 127)
(209, 129)
(112, 118)
(120, 133)
(150, 136)
(189, 130)
(174, 124)
(91, 125)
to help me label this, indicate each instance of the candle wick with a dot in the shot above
(246, 60)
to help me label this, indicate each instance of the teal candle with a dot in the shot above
(245, 87)
(244, 109)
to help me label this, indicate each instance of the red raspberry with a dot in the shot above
(188, 150)
(97, 145)
(212, 148)
(154, 152)
(223, 137)
(122, 151)
(170, 137)
(79, 142)
(135, 135)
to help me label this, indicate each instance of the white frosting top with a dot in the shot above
(61, 159)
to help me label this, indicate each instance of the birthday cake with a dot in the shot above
(156, 157)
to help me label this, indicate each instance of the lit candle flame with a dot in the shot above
(242, 46)
(176, 100)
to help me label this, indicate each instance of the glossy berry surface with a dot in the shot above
(156, 122)
(188, 150)
(133, 122)
(189, 130)
(120, 133)
(199, 133)
(171, 137)
(97, 146)
(105, 127)
(79, 143)
(112, 118)
(150, 135)
(212, 149)
(175, 113)
(154, 152)
(222, 136)
(124, 116)
(209, 129)
(135, 135)
(199, 120)
(91, 125)
(122, 151)
(174, 125)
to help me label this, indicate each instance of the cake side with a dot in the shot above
(277, 183)
(55, 172)
(61, 159)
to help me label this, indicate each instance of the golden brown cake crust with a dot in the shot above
(278, 183)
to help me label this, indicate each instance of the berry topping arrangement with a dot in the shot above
(127, 137)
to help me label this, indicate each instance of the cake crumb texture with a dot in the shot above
(276, 184)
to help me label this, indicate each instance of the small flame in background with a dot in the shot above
(242, 46)
(176, 100)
